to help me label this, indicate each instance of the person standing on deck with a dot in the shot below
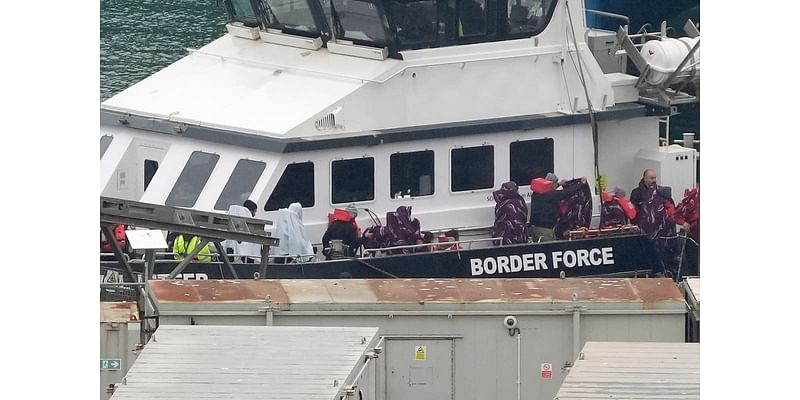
(656, 217)
(545, 206)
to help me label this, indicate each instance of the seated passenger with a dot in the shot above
(342, 228)
(576, 210)
(616, 209)
(245, 252)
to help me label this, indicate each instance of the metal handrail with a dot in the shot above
(414, 246)
(127, 257)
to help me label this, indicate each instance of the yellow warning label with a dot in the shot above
(419, 354)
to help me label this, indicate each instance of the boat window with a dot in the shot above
(241, 183)
(242, 11)
(296, 185)
(192, 179)
(414, 22)
(411, 174)
(105, 141)
(292, 15)
(359, 21)
(529, 16)
(472, 168)
(530, 159)
(150, 168)
(353, 180)
(466, 18)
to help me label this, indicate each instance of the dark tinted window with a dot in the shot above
(359, 21)
(192, 179)
(105, 141)
(292, 15)
(414, 21)
(472, 168)
(470, 17)
(411, 174)
(353, 180)
(531, 159)
(528, 16)
(241, 184)
(150, 168)
(296, 185)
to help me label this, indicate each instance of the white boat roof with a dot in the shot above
(246, 362)
(231, 83)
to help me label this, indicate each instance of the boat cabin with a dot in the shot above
(431, 104)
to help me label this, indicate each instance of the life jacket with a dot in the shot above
(343, 215)
(541, 185)
(119, 236)
(181, 249)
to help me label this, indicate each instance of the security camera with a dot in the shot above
(510, 321)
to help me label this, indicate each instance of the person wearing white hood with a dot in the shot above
(291, 233)
(245, 251)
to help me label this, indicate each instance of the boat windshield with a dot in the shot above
(242, 11)
(292, 15)
(360, 21)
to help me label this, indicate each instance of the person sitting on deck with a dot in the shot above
(245, 252)
(342, 228)
(616, 210)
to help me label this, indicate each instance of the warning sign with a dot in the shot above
(547, 370)
(419, 353)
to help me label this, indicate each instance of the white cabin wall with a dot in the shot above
(619, 141)
(112, 158)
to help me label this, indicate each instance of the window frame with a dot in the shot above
(510, 157)
(330, 180)
(230, 179)
(433, 174)
(494, 168)
(205, 183)
(104, 149)
(313, 188)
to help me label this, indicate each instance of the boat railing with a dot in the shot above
(112, 255)
(468, 244)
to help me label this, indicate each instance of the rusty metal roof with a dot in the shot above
(119, 312)
(647, 293)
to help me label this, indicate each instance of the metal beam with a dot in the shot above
(224, 258)
(108, 231)
(189, 257)
(214, 226)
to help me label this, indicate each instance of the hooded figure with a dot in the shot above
(575, 210)
(546, 207)
(245, 249)
(291, 232)
(510, 215)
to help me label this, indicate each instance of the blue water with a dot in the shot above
(141, 37)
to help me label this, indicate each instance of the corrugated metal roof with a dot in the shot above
(628, 370)
(245, 362)
(645, 293)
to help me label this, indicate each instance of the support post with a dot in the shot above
(224, 258)
(118, 253)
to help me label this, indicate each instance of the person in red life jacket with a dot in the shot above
(342, 227)
(656, 217)
(119, 235)
(545, 202)
(616, 209)
(689, 209)
(448, 237)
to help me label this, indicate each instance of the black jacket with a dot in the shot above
(544, 207)
(344, 231)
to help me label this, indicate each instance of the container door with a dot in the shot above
(419, 369)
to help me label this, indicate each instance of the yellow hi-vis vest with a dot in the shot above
(181, 249)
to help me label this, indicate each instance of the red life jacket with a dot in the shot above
(541, 185)
(119, 236)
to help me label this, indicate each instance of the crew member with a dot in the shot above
(545, 205)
